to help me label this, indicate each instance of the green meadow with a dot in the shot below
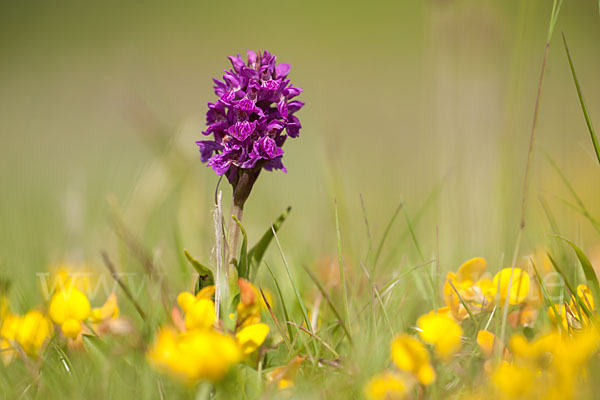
(443, 184)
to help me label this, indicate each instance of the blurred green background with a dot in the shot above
(101, 102)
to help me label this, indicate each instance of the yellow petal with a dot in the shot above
(186, 300)
(33, 330)
(206, 292)
(9, 326)
(517, 279)
(558, 314)
(7, 352)
(514, 381)
(71, 328)
(251, 337)
(410, 355)
(585, 295)
(386, 386)
(79, 305)
(284, 376)
(163, 350)
(451, 299)
(110, 309)
(471, 270)
(441, 331)
(426, 374)
(201, 315)
(203, 355)
(485, 340)
(486, 286)
(3, 306)
(59, 309)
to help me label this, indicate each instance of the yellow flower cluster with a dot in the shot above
(29, 332)
(573, 316)
(467, 292)
(70, 308)
(550, 367)
(199, 348)
(469, 286)
(412, 359)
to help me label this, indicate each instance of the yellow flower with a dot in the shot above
(3, 306)
(251, 337)
(69, 308)
(485, 340)
(572, 316)
(441, 331)
(194, 355)
(585, 295)
(558, 314)
(34, 329)
(470, 285)
(470, 272)
(524, 316)
(284, 376)
(410, 355)
(199, 309)
(558, 360)
(9, 326)
(251, 302)
(517, 279)
(386, 386)
(30, 332)
(513, 381)
(110, 309)
(67, 276)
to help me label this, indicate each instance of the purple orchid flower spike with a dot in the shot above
(249, 122)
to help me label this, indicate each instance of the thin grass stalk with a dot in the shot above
(221, 289)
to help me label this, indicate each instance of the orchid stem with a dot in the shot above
(237, 210)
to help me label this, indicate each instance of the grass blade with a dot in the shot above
(324, 343)
(545, 292)
(276, 321)
(553, 18)
(412, 234)
(583, 210)
(549, 215)
(588, 120)
(385, 234)
(256, 254)
(588, 270)
(570, 288)
(285, 311)
(293, 282)
(341, 265)
(328, 299)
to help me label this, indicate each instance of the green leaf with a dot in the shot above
(588, 270)
(205, 275)
(581, 209)
(569, 286)
(95, 346)
(586, 115)
(256, 254)
(242, 264)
